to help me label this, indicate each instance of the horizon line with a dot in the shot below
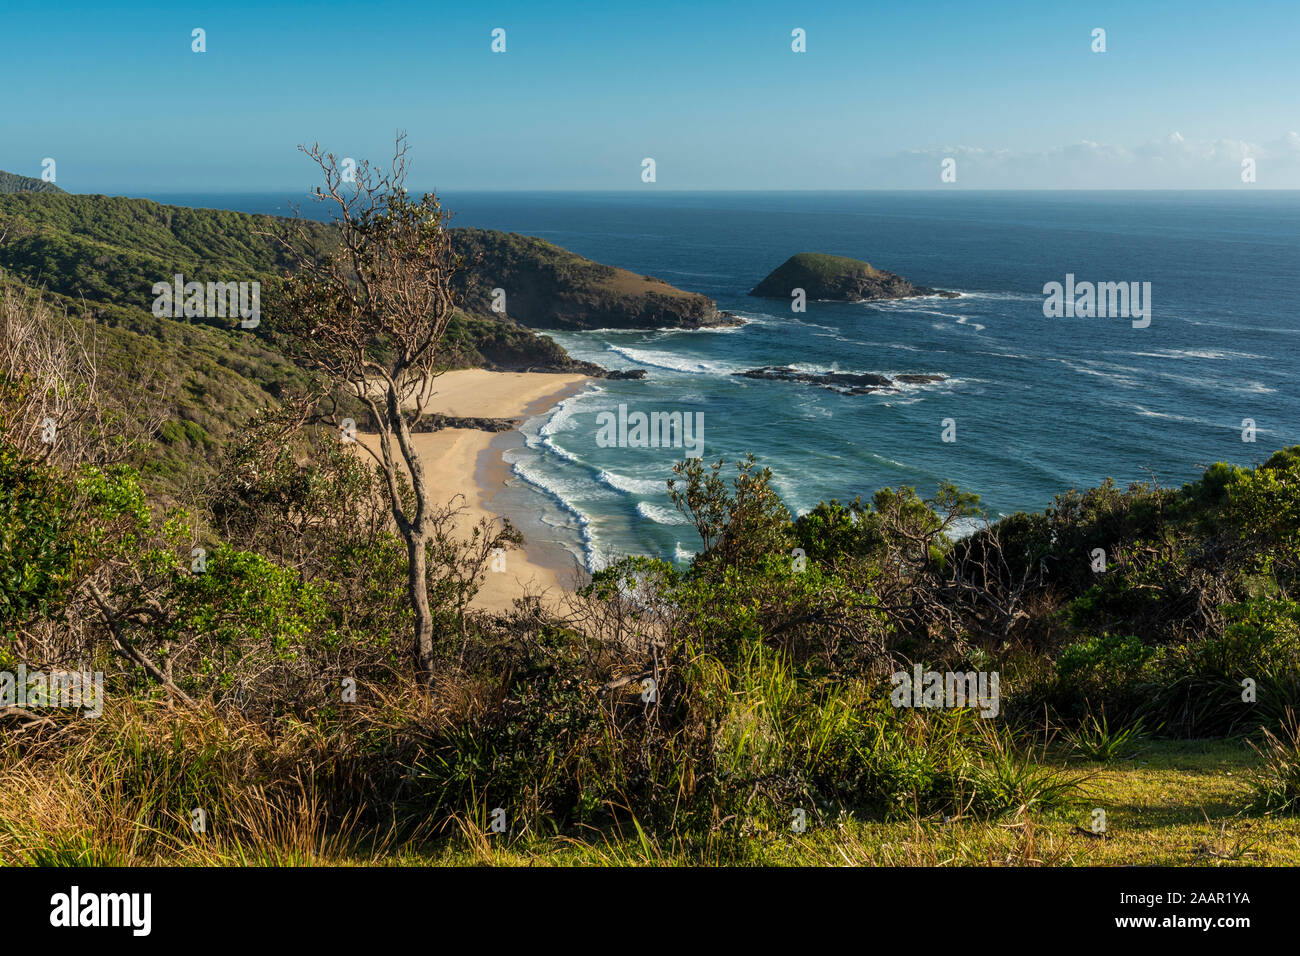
(306, 191)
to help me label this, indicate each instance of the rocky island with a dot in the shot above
(839, 279)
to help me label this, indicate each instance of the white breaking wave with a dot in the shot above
(565, 410)
(1252, 388)
(965, 527)
(672, 362)
(1010, 355)
(814, 409)
(1107, 373)
(832, 369)
(1195, 354)
(555, 448)
(1170, 416)
(671, 330)
(660, 514)
(1001, 296)
(887, 461)
(556, 491)
(634, 486)
(541, 432)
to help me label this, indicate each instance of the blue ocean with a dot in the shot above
(1038, 405)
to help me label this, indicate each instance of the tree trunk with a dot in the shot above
(419, 593)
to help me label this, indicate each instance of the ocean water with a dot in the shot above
(1040, 404)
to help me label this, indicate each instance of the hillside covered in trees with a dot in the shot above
(13, 183)
(99, 257)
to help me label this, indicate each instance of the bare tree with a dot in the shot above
(52, 405)
(370, 315)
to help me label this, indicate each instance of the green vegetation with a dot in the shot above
(97, 258)
(551, 288)
(13, 183)
(262, 661)
(666, 715)
(825, 266)
(823, 276)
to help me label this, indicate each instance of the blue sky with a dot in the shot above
(712, 91)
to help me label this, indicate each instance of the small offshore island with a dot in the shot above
(848, 383)
(839, 279)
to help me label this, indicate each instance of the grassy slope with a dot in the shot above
(825, 266)
(820, 273)
(549, 287)
(1177, 803)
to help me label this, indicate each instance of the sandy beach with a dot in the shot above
(468, 461)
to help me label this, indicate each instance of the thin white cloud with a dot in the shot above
(1173, 162)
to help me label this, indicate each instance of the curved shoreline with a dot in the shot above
(551, 560)
(467, 463)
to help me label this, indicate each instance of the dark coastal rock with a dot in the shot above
(436, 421)
(919, 379)
(848, 383)
(839, 279)
(576, 367)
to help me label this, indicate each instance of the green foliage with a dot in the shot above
(1263, 510)
(114, 250)
(825, 266)
(1277, 785)
(740, 527)
(1261, 639)
(40, 550)
(13, 183)
(1097, 740)
(1106, 660)
(833, 533)
(474, 342)
(540, 747)
(244, 600)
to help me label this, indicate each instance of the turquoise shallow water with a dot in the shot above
(1039, 404)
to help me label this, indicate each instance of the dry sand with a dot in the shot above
(468, 462)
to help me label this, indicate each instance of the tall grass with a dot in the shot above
(1276, 785)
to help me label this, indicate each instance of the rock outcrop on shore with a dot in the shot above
(503, 346)
(848, 383)
(436, 421)
(837, 278)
